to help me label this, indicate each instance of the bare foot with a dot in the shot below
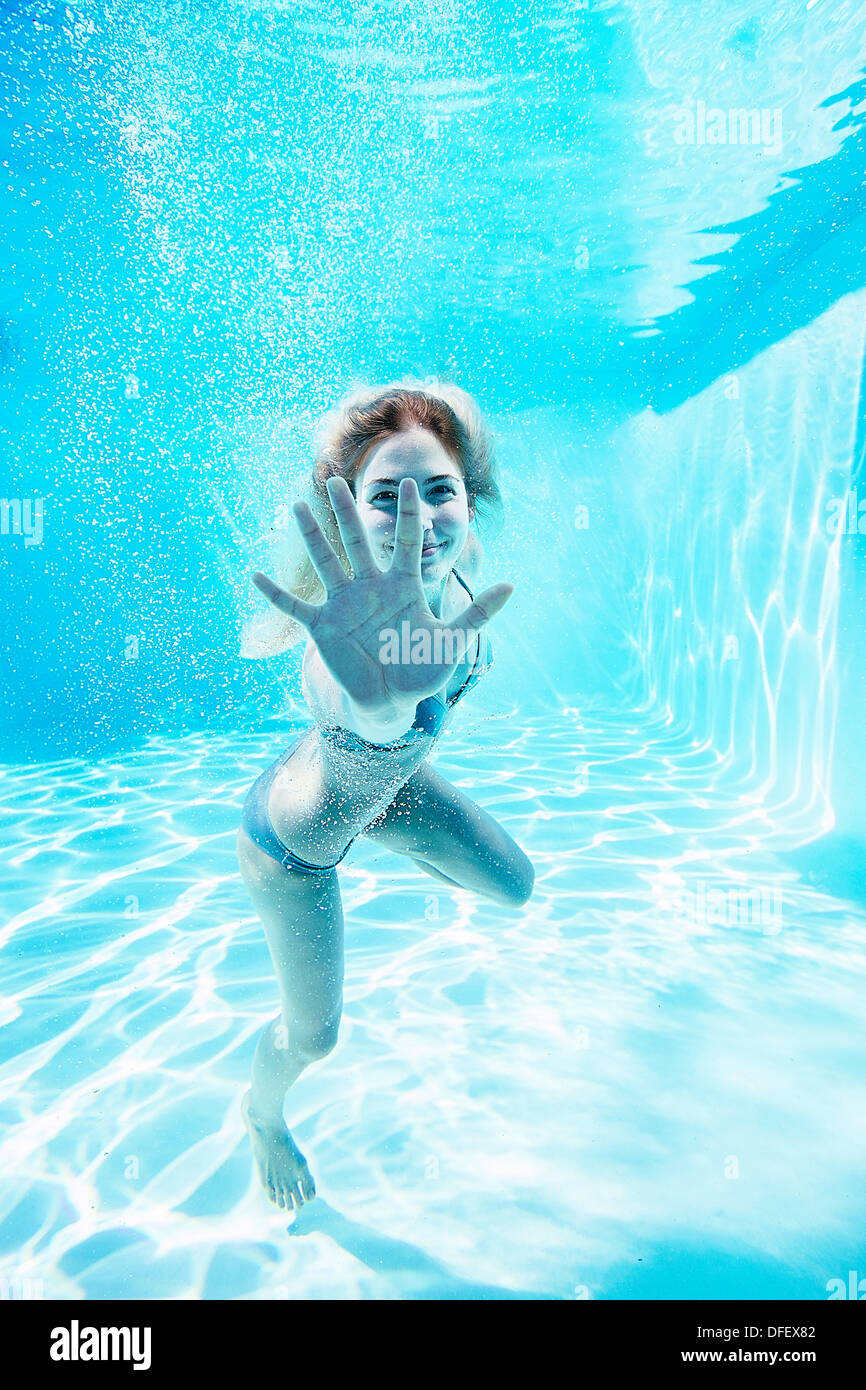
(282, 1167)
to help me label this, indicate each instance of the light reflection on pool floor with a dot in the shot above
(647, 1082)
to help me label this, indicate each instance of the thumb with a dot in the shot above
(484, 607)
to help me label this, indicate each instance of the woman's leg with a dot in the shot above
(302, 916)
(452, 838)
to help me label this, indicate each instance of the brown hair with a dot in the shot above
(346, 437)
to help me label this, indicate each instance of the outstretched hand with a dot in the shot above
(348, 627)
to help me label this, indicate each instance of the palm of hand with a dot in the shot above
(352, 627)
(359, 627)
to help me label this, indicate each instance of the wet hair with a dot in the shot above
(346, 438)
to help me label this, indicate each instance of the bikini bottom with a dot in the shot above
(257, 823)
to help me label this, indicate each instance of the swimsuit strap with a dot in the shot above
(472, 678)
(462, 581)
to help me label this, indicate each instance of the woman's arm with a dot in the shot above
(329, 704)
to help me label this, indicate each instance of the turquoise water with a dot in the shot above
(647, 1082)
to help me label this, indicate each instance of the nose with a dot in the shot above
(427, 537)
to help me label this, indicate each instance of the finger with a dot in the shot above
(409, 533)
(352, 531)
(325, 560)
(303, 613)
(484, 607)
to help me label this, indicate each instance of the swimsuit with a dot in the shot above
(430, 714)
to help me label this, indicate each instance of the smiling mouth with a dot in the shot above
(426, 550)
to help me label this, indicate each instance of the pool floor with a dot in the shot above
(645, 1083)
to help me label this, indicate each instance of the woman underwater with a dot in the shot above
(395, 486)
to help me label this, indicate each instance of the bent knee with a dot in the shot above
(520, 883)
(314, 1044)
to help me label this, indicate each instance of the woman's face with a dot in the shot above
(445, 509)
